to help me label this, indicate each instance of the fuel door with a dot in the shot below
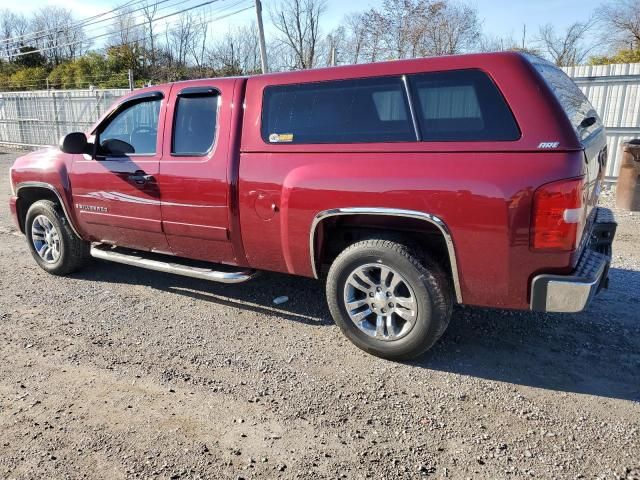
(265, 205)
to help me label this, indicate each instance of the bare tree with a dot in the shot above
(355, 27)
(412, 28)
(621, 21)
(567, 48)
(14, 30)
(450, 28)
(199, 40)
(298, 22)
(126, 39)
(125, 29)
(402, 23)
(55, 31)
(374, 24)
(365, 37)
(149, 11)
(181, 38)
(20, 27)
(7, 33)
(237, 52)
(225, 55)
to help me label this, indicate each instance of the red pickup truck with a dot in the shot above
(409, 186)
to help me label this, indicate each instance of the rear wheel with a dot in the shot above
(386, 301)
(52, 242)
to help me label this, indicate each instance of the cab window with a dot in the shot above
(132, 131)
(194, 124)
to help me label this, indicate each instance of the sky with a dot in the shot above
(500, 18)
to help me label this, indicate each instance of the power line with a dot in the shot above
(133, 12)
(106, 77)
(72, 26)
(11, 42)
(40, 50)
(180, 2)
(206, 20)
(82, 26)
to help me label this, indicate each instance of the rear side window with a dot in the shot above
(194, 124)
(574, 103)
(344, 111)
(462, 105)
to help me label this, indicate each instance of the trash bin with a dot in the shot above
(628, 189)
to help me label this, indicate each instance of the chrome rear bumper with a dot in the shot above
(572, 293)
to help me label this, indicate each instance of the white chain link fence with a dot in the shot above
(38, 118)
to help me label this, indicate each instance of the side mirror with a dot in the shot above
(113, 146)
(75, 142)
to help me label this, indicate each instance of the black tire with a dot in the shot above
(73, 251)
(432, 291)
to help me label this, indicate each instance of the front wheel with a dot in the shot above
(53, 244)
(387, 301)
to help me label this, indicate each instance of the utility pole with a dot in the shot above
(333, 56)
(130, 75)
(263, 47)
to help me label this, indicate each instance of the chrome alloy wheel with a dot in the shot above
(380, 302)
(46, 239)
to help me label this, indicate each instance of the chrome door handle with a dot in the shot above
(141, 178)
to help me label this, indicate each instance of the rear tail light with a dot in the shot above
(558, 216)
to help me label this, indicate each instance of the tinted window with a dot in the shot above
(194, 126)
(462, 105)
(574, 103)
(345, 111)
(132, 130)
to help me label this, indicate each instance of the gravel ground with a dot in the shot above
(118, 372)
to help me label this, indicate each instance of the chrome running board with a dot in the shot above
(136, 258)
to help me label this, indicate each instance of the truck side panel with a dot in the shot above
(481, 198)
(47, 168)
(481, 190)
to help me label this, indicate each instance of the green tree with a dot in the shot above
(33, 78)
(30, 57)
(62, 76)
(623, 56)
(91, 69)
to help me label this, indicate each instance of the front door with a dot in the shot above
(194, 170)
(115, 191)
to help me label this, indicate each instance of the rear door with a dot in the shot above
(115, 191)
(194, 170)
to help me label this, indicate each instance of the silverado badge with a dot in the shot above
(91, 208)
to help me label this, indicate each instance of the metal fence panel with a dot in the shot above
(614, 91)
(37, 118)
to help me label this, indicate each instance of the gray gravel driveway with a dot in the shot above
(117, 372)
